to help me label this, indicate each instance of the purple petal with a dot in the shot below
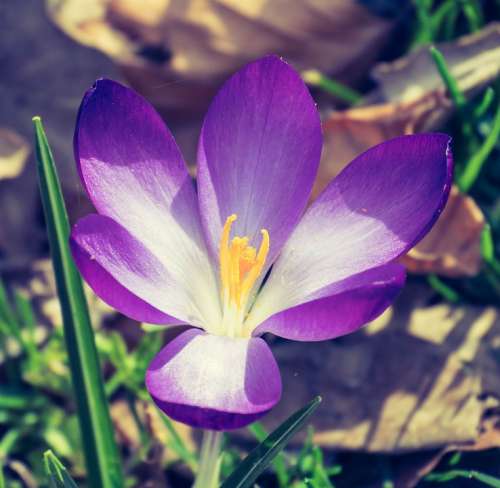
(214, 382)
(114, 294)
(128, 160)
(128, 262)
(341, 309)
(258, 154)
(134, 173)
(376, 209)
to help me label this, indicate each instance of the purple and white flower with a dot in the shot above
(240, 255)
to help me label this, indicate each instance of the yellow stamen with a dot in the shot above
(247, 260)
(240, 265)
(235, 252)
(256, 270)
(224, 252)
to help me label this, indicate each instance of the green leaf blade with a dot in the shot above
(451, 475)
(474, 166)
(260, 433)
(258, 460)
(101, 451)
(449, 80)
(56, 472)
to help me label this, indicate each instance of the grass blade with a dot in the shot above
(260, 433)
(474, 15)
(488, 249)
(101, 452)
(485, 104)
(12, 398)
(7, 314)
(476, 162)
(485, 479)
(316, 78)
(56, 472)
(448, 79)
(443, 289)
(258, 460)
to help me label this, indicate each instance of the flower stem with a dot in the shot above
(209, 464)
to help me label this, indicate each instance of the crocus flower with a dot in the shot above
(240, 256)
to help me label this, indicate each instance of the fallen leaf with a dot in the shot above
(178, 52)
(415, 466)
(415, 379)
(14, 152)
(474, 60)
(453, 246)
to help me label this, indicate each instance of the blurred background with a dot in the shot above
(412, 399)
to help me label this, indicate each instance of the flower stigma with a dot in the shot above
(240, 267)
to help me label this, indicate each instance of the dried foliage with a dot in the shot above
(417, 378)
(14, 152)
(177, 52)
(453, 246)
(473, 60)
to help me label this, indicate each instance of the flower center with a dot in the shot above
(240, 267)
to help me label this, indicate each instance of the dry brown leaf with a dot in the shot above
(474, 60)
(453, 247)
(415, 466)
(415, 379)
(488, 438)
(14, 152)
(176, 52)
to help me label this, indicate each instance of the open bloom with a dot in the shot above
(240, 256)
